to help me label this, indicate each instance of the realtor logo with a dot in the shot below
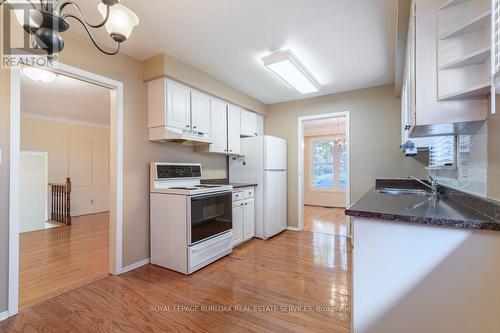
(18, 48)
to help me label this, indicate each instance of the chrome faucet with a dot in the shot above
(433, 185)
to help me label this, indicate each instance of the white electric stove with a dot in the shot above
(191, 223)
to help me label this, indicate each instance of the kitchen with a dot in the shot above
(196, 117)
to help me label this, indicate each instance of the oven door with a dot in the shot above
(211, 215)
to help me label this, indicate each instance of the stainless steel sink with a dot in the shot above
(404, 191)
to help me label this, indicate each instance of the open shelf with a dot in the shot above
(451, 3)
(474, 58)
(475, 25)
(479, 91)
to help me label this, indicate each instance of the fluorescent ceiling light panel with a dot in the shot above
(289, 69)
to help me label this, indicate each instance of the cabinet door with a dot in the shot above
(219, 126)
(248, 219)
(237, 223)
(178, 105)
(200, 112)
(233, 129)
(259, 124)
(248, 123)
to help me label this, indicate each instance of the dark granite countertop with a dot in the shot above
(454, 210)
(242, 185)
(226, 182)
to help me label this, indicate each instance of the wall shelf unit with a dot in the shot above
(477, 24)
(474, 58)
(452, 3)
(480, 91)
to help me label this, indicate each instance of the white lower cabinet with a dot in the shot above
(237, 223)
(243, 216)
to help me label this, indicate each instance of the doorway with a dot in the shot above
(106, 222)
(324, 173)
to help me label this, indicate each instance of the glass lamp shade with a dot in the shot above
(121, 20)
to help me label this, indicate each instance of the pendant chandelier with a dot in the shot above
(45, 20)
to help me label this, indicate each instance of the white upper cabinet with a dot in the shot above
(178, 105)
(248, 123)
(444, 71)
(200, 112)
(259, 127)
(219, 127)
(233, 129)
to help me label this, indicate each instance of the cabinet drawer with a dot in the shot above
(248, 193)
(237, 196)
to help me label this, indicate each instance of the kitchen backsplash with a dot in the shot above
(472, 162)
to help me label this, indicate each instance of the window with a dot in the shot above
(322, 168)
(329, 165)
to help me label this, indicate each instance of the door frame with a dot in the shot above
(300, 163)
(116, 171)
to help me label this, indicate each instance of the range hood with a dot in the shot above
(176, 135)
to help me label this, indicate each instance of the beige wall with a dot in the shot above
(494, 153)
(165, 65)
(375, 137)
(79, 152)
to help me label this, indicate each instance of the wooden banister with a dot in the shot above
(61, 202)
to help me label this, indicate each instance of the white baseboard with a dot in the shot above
(4, 315)
(292, 228)
(135, 265)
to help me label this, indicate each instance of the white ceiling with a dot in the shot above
(346, 44)
(66, 98)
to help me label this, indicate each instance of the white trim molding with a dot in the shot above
(4, 315)
(135, 265)
(300, 163)
(116, 171)
(292, 228)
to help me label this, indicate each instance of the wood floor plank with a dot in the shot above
(54, 261)
(257, 288)
(325, 220)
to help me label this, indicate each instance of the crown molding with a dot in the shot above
(63, 120)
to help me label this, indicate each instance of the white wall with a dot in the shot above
(79, 152)
(414, 278)
(33, 191)
(472, 161)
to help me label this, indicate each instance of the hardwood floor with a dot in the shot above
(249, 291)
(325, 220)
(56, 260)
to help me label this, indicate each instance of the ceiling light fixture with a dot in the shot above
(290, 69)
(47, 19)
(39, 75)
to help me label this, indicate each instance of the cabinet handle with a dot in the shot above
(194, 126)
(187, 126)
(256, 134)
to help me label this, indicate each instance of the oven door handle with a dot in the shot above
(210, 196)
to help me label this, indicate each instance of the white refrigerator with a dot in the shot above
(263, 161)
